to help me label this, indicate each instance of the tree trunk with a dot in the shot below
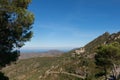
(105, 73)
(114, 71)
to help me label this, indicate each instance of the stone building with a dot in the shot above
(80, 51)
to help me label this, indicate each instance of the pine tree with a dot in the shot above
(107, 58)
(15, 28)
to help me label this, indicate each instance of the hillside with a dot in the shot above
(105, 38)
(50, 53)
(30, 69)
(90, 47)
(74, 65)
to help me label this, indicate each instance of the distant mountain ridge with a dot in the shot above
(50, 53)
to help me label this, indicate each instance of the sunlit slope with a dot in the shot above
(70, 66)
(30, 69)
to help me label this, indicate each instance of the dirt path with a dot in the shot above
(71, 74)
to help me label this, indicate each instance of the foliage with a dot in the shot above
(15, 28)
(3, 77)
(107, 56)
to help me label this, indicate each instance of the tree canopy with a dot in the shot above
(108, 56)
(15, 28)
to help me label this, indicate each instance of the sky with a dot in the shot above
(67, 24)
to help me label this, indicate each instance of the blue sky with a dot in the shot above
(71, 23)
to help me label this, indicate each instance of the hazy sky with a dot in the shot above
(72, 23)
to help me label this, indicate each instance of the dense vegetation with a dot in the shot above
(15, 28)
(108, 58)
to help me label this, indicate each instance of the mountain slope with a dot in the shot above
(69, 66)
(81, 61)
(90, 47)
